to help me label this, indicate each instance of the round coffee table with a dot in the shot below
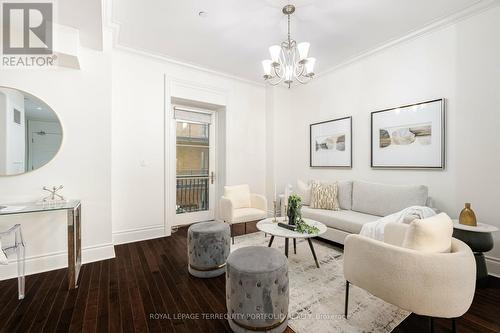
(272, 228)
(480, 240)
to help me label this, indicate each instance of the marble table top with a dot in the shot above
(272, 228)
(481, 227)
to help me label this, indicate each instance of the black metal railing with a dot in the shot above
(192, 194)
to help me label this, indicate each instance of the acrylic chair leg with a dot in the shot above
(346, 298)
(21, 265)
(20, 270)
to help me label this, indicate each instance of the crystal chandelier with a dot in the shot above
(289, 60)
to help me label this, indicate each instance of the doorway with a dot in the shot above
(44, 140)
(196, 138)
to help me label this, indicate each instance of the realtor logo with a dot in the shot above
(27, 28)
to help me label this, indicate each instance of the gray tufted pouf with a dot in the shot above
(257, 290)
(208, 248)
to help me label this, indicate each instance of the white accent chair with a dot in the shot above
(434, 284)
(238, 205)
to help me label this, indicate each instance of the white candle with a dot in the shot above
(274, 192)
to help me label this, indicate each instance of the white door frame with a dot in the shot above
(193, 91)
(207, 215)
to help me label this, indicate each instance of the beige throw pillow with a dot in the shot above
(431, 235)
(324, 196)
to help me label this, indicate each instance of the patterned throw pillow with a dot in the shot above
(324, 196)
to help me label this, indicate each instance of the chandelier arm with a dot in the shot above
(274, 81)
(275, 84)
(301, 73)
(276, 73)
(303, 81)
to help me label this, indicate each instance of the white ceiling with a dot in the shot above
(236, 34)
(84, 15)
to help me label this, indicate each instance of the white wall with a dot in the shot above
(460, 63)
(83, 165)
(138, 127)
(3, 133)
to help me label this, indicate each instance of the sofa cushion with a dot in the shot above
(383, 200)
(430, 235)
(239, 195)
(345, 220)
(345, 194)
(304, 192)
(248, 215)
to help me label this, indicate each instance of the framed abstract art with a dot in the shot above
(330, 143)
(409, 137)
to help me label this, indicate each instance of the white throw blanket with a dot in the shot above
(375, 229)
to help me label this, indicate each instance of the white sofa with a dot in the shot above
(363, 202)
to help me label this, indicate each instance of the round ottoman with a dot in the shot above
(208, 248)
(257, 290)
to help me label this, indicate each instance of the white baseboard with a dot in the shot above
(493, 265)
(56, 260)
(139, 234)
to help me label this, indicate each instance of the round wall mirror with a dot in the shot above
(30, 132)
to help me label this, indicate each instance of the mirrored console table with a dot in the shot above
(73, 210)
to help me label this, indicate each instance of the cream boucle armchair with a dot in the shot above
(238, 205)
(429, 284)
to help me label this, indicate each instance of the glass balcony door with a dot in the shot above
(195, 174)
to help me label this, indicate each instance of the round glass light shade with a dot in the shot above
(266, 66)
(310, 65)
(303, 50)
(275, 51)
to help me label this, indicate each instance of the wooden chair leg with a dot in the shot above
(453, 325)
(346, 298)
(431, 324)
(245, 228)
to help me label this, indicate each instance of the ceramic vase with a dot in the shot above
(467, 216)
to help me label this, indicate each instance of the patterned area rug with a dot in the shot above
(317, 295)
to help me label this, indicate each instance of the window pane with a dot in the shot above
(192, 167)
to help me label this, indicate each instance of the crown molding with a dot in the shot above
(441, 23)
(159, 57)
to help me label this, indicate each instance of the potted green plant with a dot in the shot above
(294, 207)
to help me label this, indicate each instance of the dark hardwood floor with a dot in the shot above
(148, 281)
